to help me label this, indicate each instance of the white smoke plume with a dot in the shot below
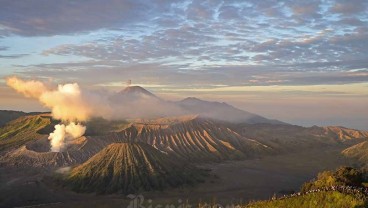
(62, 135)
(75, 130)
(67, 103)
(57, 138)
(30, 88)
(72, 105)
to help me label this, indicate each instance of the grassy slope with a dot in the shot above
(343, 176)
(24, 129)
(321, 200)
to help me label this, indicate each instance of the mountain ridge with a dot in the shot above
(197, 139)
(358, 152)
(222, 111)
(141, 100)
(191, 137)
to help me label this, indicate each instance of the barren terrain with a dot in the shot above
(235, 181)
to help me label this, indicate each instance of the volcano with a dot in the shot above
(222, 111)
(136, 90)
(144, 104)
(193, 138)
(161, 143)
(129, 168)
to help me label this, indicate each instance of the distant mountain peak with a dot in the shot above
(191, 99)
(221, 111)
(157, 107)
(197, 100)
(136, 90)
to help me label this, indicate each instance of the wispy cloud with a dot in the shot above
(200, 46)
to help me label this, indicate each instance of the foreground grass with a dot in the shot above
(321, 199)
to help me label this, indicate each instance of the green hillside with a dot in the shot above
(24, 129)
(342, 188)
(331, 199)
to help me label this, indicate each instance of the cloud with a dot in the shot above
(12, 56)
(194, 42)
(299, 33)
(200, 11)
(178, 30)
(42, 17)
(350, 8)
(337, 72)
(185, 44)
(306, 9)
(352, 22)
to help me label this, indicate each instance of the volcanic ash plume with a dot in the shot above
(67, 103)
(31, 88)
(62, 135)
(70, 103)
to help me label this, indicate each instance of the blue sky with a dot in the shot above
(262, 56)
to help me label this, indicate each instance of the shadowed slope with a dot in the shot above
(291, 137)
(37, 154)
(130, 167)
(6, 116)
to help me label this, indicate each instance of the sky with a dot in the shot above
(302, 62)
